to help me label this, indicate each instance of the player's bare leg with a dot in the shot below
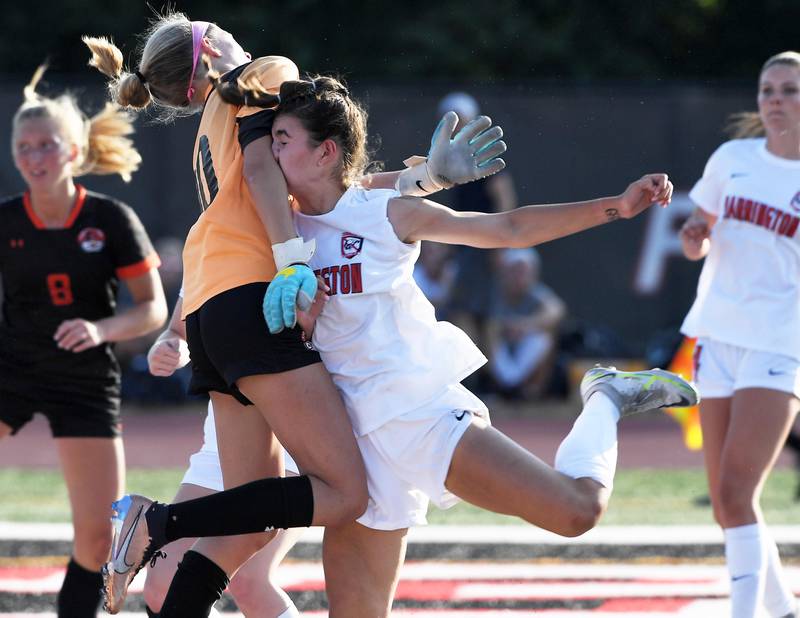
(744, 440)
(247, 451)
(492, 471)
(362, 568)
(254, 586)
(94, 473)
(745, 462)
(715, 415)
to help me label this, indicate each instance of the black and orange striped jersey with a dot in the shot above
(228, 245)
(54, 274)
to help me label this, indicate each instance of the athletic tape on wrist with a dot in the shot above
(416, 179)
(293, 251)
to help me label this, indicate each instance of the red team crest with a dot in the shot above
(351, 245)
(795, 203)
(92, 239)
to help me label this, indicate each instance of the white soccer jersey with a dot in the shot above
(378, 335)
(749, 289)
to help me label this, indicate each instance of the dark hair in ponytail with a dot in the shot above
(324, 106)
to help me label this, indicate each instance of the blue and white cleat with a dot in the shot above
(638, 391)
(131, 549)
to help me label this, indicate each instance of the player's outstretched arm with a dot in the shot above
(419, 219)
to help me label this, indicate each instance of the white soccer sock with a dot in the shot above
(290, 612)
(778, 597)
(746, 555)
(590, 448)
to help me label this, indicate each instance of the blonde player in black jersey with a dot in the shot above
(63, 252)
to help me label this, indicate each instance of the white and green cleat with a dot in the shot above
(638, 391)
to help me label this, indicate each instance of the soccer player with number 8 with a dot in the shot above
(63, 252)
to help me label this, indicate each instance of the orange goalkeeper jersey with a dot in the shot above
(228, 247)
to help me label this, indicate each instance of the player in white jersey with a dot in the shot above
(423, 436)
(747, 321)
(253, 586)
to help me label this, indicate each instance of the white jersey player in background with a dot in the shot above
(423, 436)
(747, 320)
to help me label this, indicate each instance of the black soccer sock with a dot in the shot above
(80, 593)
(196, 586)
(253, 507)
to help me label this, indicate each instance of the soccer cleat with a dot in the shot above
(638, 391)
(132, 547)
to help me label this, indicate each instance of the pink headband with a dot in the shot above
(199, 29)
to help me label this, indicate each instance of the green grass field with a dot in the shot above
(640, 497)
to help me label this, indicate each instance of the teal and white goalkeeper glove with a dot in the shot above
(293, 286)
(473, 153)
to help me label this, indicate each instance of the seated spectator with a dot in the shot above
(523, 323)
(435, 273)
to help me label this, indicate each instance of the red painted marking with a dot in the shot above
(428, 590)
(644, 605)
(28, 573)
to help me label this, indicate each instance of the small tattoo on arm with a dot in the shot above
(612, 214)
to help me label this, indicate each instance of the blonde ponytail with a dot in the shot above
(108, 150)
(164, 68)
(102, 141)
(744, 124)
(29, 92)
(126, 89)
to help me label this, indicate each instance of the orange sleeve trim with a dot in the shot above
(140, 268)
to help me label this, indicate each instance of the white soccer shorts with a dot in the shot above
(407, 459)
(721, 368)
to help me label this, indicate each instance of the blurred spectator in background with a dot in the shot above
(435, 273)
(469, 303)
(522, 327)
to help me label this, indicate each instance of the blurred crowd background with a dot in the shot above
(591, 96)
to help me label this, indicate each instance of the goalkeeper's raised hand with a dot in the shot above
(471, 154)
